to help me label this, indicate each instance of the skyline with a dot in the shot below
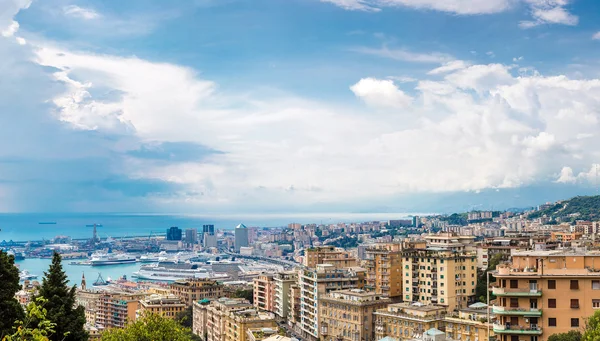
(297, 106)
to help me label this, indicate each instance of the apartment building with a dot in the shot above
(294, 305)
(403, 321)
(89, 300)
(214, 315)
(116, 309)
(545, 292)
(264, 292)
(384, 269)
(440, 276)
(348, 314)
(166, 306)
(469, 324)
(450, 241)
(337, 257)
(564, 237)
(315, 283)
(239, 322)
(283, 284)
(191, 290)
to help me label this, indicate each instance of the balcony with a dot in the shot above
(517, 311)
(517, 292)
(523, 330)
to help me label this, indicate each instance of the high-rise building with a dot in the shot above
(174, 233)
(116, 309)
(314, 283)
(384, 269)
(264, 292)
(348, 314)
(190, 290)
(337, 257)
(545, 292)
(283, 284)
(241, 237)
(191, 236)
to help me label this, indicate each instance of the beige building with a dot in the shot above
(440, 276)
(469, 324)
(384, 269)
(545, 292)
(403, 321)
(314, 284)
(294, 304)
(283, 284)
(116, 309)
(167, 306)
(337, 257)
(238, 322)
(190, 290)
(264, 292)
(348, 314)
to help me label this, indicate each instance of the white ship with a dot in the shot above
(153, 257)
(111, 259)
(25, 275)
(173, 272)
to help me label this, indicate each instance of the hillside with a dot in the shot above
(588, 208)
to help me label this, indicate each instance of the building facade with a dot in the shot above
(337, 257)
(264, 292)
(241, 237)
(283, 284)
(403, 321)
(191, 290)
(166, 306)
(384, 269)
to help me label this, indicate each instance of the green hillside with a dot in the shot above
(588, 208)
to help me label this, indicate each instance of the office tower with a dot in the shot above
(191, 236)
(348, 314)
(545, 292)
(384, 269)
(264, 292)
(174, 233)
(208, 236)
(241, 237)
(314, 284)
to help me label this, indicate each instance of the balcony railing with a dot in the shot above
(517, 311)
(525, 330)
(526, 292)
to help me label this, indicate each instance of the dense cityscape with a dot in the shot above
(481, 275)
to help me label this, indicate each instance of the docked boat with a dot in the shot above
(24, 275)
(169, 272)
(153, 257)
(99, 259)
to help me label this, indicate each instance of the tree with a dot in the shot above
(592, 328)
(69, 321)
(10, 309)
(150, 327)
(573, 335)
(185, 317)
(247, 294)
(36, 314)
(481, 287)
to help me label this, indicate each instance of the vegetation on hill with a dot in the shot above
(577, 208)
(10, 309)
(456, 219)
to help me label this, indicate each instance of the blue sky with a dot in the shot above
(297, 105)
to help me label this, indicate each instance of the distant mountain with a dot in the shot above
(577, 208)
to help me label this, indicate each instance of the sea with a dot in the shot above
(27, 227)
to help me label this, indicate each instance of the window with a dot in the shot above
(574, 284)
(514, 302)
(574, 322)
(514, 284)
(574, 303)
(595, 285)
(552, 321)
(595, 303)
(551, 284)
(552, 303)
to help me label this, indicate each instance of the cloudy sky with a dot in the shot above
(297, 105)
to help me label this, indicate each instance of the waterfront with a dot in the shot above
(37, 266)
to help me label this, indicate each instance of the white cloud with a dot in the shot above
(11, 29)
(80, 12)
(405, 55)
(549, 12)
(354, 5)
(402, 79)
(448, 67)
(596, 36)
(490, 54)
(566, 176)
(382, 93)
(517, 59)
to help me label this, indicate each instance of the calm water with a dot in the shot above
(23, 227)
(37, 266)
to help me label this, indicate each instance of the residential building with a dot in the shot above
(337, 257)
(314, 283)
(265, 334)
(450, 241)
(199, 317)
(174, 233)
(241, 237)
(89, 300)
(214, 315)
(238, 322)
(384, 269)
(191, 290)
(264, 292)
(541, 293)
(283, 284)
(564, 237)
(434, 275)
(469, 324)
(294, 305)
(348, 314)
(167, 306)
(116, 309)
(403, 321)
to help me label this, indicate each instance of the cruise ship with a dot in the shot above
(170, 272)
(24, 275)
(111, 259)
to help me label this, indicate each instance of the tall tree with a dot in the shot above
(573, 335)
(69, 321)
(150, 327)
(592, 328)
(10, 309)
(35, 327)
